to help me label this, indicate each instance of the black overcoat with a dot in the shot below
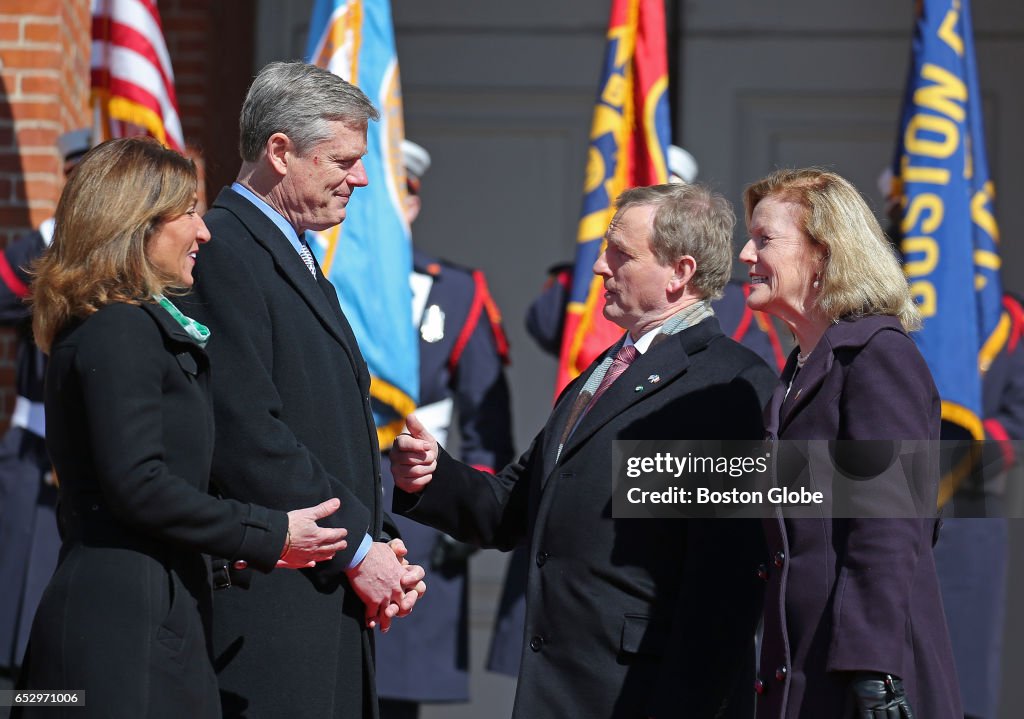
(129, 426)
(625, 617)
(855, 594)
(294, 428)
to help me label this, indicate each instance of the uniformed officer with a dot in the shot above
(463, 351)
(28, 528)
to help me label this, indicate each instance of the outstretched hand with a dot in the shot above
(413, 457)
(309, 543)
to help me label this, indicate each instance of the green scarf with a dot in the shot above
(199, 333)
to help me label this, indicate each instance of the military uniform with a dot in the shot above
(424, 657)
(29, 542)
(972, 554)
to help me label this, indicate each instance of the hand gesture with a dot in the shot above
(384, 581)
(309, 543)
(413, 457)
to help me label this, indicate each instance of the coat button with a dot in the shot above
(240, 564)
(780, 558)
(759, 686)
(780, 673)
(762, 571)
(536, 643)
(541, 558)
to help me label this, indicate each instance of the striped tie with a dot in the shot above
(307, 256)
(623, 359)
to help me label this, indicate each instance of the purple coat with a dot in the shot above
(854, 594)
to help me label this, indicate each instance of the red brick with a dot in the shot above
(10, 162)
(9, 31)
(18, 58)
(37, 137)
(11, 216)
(35, 110)
(32, 7)
(42, 32)
(35, 190)
(40, 84)
(40, 163)
(6, 137)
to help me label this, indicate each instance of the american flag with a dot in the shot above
(132, 79)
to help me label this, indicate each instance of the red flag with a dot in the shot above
(629, 138)
(132, 79)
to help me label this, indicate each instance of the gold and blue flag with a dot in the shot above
(629, 138)
(949, 233)
(369, 257)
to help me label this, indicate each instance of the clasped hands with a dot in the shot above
(388, 585)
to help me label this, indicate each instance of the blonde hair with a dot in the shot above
(862, 274)
(113, 203)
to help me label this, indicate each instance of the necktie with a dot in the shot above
(623, 359)
(307, 256)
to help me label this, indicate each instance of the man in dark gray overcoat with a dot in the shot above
(291, 396)
(625, 617)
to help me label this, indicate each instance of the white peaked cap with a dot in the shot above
(415, 158)
(76, 142)
(682, 167)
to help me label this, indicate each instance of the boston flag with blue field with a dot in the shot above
(948, 228)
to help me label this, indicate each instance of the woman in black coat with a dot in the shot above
(130, 430)
(853, 621)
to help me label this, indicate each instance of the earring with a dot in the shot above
(817, 281)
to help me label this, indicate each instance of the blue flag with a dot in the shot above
(369, 256)
(948, 229)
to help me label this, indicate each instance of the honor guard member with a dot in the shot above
(463, 350)
(545, 320)
(972, 553)
(28, 527)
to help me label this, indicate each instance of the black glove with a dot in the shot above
(450, 555)
(879, 696)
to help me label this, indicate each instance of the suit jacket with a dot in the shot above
(625, 618)
(856, 594)
(130, 427)
(294, 428)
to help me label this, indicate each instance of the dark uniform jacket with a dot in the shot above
(28, 528)
(294, 429)
(609, 601)
(130, 429)
(462, 353)
(854, 594)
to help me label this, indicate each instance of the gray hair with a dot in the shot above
(298, 99)
(689, 220)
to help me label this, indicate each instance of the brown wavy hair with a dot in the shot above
(113, 203)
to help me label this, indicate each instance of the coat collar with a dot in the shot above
(847, 334)
(320, 294)
(169, 326)
(650, 373)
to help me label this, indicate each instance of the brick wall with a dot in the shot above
(44, 91)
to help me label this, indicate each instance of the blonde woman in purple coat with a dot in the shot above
(853, 621)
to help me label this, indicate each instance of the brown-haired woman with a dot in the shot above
(130, 432)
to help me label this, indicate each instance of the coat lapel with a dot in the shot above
(291, 266)
(654, 370)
